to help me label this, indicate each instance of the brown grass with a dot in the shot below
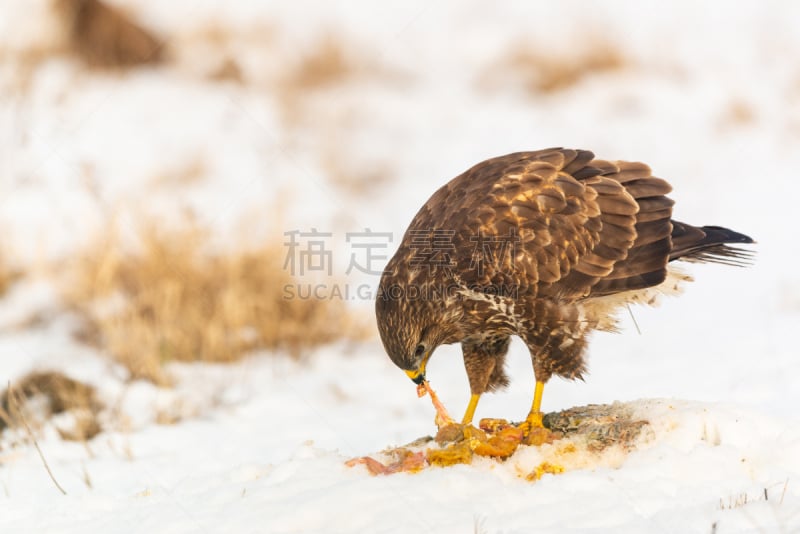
(5, 277)
(326, 63)
(329, 62)
(60, 394)
(225, 53)
(359, 178)
(311, 108)
(739, 113)
(8, 275)
(182, 175)
(173, 300)
(227, 71)
(105, 37)
(549, 72)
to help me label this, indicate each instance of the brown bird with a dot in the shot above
(544, 245)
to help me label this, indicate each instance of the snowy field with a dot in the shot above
(707, 94)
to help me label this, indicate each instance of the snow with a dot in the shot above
(275, 462)
(260, 446)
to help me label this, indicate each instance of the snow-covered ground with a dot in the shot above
(709, 96)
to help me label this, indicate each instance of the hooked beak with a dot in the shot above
(418, 376)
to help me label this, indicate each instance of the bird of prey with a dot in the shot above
(544, 245)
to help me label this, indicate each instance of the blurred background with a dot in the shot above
(200, 181)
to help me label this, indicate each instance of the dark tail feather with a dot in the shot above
(709, 244)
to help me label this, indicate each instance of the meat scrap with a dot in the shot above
(442, 417)
(405, 462)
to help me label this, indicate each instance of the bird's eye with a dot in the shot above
(420, 350)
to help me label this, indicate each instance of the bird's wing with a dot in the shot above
(644, 264)
(543, 221)
(554, 222)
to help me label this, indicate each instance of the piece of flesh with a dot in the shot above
(442, 417)
(405, 462)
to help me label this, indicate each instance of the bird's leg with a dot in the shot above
(557, 346)
(479, 369)
(533, 428)
(534, 418)
(484, 361)
(470, 413)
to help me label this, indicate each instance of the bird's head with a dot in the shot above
(411, 329)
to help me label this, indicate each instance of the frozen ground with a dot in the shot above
(710, 98)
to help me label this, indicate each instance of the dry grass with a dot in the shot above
(105, 37)
(550, 72)
(329, 62)
(325, 64)
(5, 278)
(181, 175)
(172, 300)
(240, 54)
(227, 71)
(739, 113)
(8, 275)
(742, 499)
(56, 394)
(356, 177)
(316, 111)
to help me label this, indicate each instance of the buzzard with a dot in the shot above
(544, 245)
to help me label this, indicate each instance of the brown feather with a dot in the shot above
(631, 170)
(708, 244)
(647, 187)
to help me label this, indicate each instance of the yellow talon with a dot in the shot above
(534, 420)
(533, 428)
